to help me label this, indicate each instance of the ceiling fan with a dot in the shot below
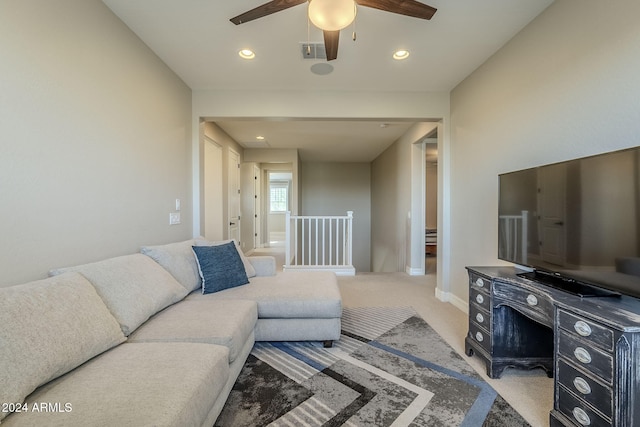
(333, 15)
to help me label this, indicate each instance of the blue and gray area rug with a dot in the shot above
(388, 369)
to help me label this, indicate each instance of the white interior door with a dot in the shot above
(234, 195)
(212, 216)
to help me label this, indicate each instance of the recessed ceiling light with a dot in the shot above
(401, 54)
(247, 54)
(260, 138)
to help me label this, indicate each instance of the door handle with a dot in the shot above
(558, 223)
(232, 223)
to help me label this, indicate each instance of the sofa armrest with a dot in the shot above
(264, 265)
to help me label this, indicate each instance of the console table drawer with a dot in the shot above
(480, 283)
(480, 298)
(578, 411)
(587, 389)
(586, 329)
(481, 336)
(480, 316)
(585, 356)
(536, 305)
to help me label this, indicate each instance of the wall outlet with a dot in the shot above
(174, 218)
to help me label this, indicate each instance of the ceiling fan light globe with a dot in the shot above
(332, 15)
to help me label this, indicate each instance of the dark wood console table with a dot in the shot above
(591, 346)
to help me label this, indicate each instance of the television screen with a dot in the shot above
(578, 219)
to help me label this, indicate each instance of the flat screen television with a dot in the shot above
(575, 224)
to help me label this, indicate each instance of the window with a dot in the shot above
(279, 196)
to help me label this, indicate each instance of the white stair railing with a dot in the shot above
(319, 243)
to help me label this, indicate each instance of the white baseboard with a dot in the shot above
(453, 300)
(414, 271)
(340, 271)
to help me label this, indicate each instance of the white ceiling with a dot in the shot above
(197, 41)
(319, 140)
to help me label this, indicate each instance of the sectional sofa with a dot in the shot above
(133, 340)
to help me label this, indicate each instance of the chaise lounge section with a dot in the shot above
(132, 340)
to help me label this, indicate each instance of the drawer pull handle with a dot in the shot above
(582, 328)
(581, 416)
(479, 299)
(532, 300)
(479, 337)
(582, 355)
(582, 385)
(480, 282)
(479, 317)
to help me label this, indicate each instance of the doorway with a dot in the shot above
(278, 202)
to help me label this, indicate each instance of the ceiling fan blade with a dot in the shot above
(266, 9)
(403, 7)
(331, 39)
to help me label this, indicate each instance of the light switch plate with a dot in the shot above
(174, 218)
(177, 204)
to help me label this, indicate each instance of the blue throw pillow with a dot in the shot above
(220, 267)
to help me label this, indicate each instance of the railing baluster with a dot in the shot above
(287, 235)
(332, 237)
(316, 240)
(337, 260)
(302, 243)
(309, 241)
(295, 241)
(324, 235)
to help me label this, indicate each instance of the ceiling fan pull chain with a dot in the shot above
(308, 36)
(355, 6)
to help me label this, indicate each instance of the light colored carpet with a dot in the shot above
(389, 368)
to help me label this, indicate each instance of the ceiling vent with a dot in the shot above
(313, 51)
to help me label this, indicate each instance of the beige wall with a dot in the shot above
(389, 207)
(95, 139)
(335, 188)
(398, 186)
(567, 86)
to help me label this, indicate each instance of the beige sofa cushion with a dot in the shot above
(134, 287)
(227, 323)
(298, 329)
(287, 295)
(150, 384)
(49, 327)
(177, 259)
